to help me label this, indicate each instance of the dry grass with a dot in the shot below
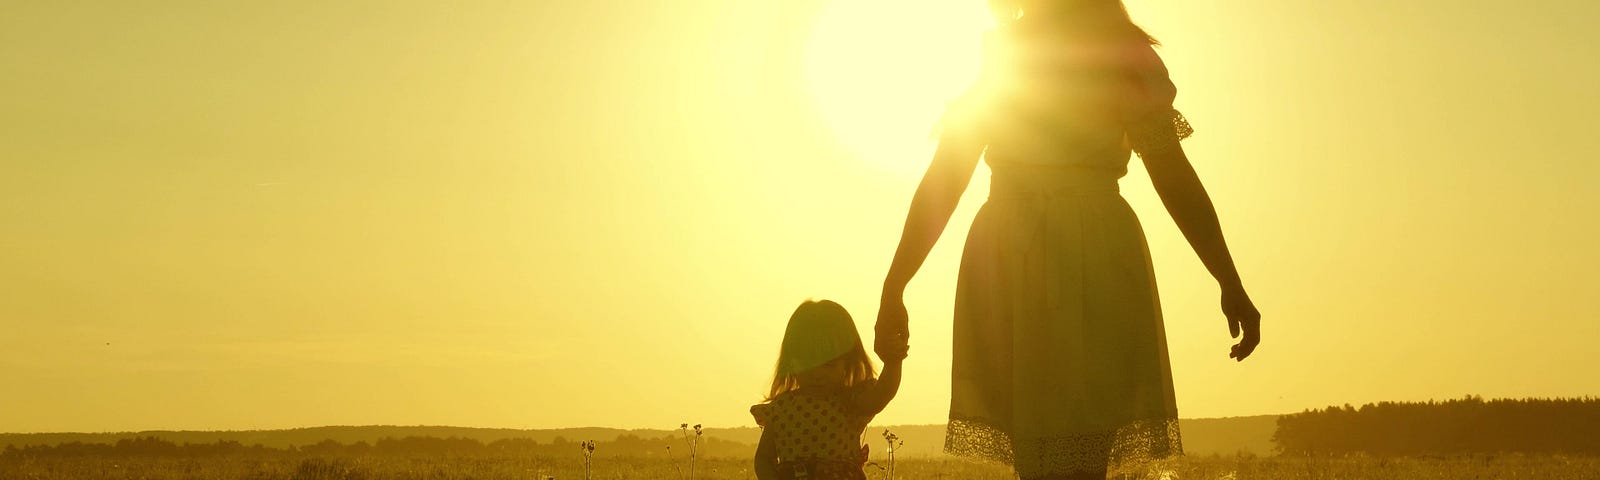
(298, 467)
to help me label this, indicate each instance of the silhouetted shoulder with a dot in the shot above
(762, 413)
(965, 115)
(859, 399)
(1153, 123)
(1152, 88)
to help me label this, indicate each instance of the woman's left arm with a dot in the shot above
(1186, 200)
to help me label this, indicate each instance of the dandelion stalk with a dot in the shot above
(694, 445)
(894, 441)
(587, 447)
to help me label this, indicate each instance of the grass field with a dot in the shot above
(300, 467)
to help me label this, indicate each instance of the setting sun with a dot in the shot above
(881, 81)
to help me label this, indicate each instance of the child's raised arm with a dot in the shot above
(881, 392)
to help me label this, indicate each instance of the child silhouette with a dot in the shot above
(824, 392)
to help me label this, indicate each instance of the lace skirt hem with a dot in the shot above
(1130, 448)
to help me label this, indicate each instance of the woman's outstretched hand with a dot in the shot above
(892, 333)
(1242, 317)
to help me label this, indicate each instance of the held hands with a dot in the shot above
(1242, 316)
(892, 333)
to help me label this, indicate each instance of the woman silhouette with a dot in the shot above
(1060, 357)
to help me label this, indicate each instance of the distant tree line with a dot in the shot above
(624, 445)
(1465, 426)
(143, 446)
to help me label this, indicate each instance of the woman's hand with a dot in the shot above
(1242, 316)
(892, 333)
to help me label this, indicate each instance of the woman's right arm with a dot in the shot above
(931, 207)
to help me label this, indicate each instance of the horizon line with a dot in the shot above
(624, 429)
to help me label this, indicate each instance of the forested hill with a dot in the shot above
(1469, 425)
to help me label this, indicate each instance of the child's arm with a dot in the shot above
(882, 391)
(766, 458)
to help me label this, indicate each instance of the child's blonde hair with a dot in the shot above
(819, 331)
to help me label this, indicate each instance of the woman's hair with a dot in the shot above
(819, 332)
(1106, 17)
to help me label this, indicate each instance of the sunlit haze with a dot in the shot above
(242, 215)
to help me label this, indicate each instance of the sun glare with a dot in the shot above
(882, 70)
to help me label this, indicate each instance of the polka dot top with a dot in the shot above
(817, 424)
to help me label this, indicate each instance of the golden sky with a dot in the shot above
(233, 215)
